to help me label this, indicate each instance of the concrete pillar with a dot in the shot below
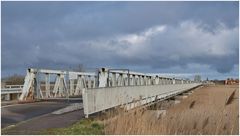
(144, 80)
(71, 86)
(138, 80)
(55, 88)
(62, 86)
(103, 75)
(80, 85)
(120, 79)
(114, 82)
(89, 82)
(94, 81)
(141, 80)
(150, 80)
(47, 85)
(125, 80)
(174, 81)
(38, 83)
(156, 81)
(163, 81)
(133, 80)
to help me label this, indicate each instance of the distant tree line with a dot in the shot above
(14, 80)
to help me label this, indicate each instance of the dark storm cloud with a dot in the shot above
(120, 34)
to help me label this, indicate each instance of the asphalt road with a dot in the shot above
(12, 114)
(36, 125)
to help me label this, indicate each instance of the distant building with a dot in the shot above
(197, 78)
(231, 81)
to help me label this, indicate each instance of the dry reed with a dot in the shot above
(207, 117)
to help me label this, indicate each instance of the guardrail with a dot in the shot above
(11, 90)
(99, 99)
(13, 86)
(10, 93)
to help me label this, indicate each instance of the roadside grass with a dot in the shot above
(83, 127)
(4, 131)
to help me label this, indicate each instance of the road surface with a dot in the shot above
(12, 114)
(38, 124)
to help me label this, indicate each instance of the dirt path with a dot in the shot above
(209, 110)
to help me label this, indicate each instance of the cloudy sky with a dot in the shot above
(152, 37)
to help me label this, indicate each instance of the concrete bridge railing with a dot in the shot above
(99, 99)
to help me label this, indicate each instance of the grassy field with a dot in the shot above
(209, 110)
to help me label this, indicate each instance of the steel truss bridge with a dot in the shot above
(100, 90)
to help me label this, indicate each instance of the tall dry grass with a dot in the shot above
(205, 112)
